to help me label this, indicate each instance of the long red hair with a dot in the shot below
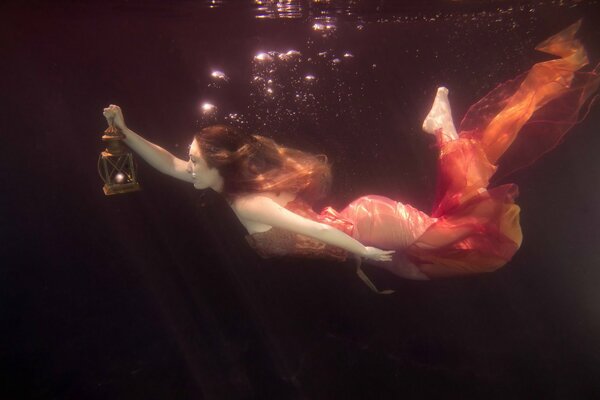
(254, 164)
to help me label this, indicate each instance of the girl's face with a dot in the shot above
(202, 175)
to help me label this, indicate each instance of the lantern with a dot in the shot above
(115, 164)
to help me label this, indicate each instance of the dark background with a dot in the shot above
(155, 295)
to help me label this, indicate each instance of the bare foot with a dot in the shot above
(440, 117)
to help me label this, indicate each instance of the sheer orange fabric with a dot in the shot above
(473, 228)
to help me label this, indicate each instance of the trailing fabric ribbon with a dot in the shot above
(367, 281)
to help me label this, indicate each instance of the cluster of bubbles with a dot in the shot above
(288, 88)
(325, 25)
(475, 17)
(291, 89)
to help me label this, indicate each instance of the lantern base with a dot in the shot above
(121, 188)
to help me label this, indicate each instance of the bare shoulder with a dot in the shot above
(250, 199)
(248, 210)
(252, 204)
(259, 212)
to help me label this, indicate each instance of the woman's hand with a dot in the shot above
(375, 254)
(114, 117)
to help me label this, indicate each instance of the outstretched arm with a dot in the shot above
(155, 155)
(264, 210)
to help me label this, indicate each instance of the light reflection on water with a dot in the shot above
(278, 9)
(322, 12)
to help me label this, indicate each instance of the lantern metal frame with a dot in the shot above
(116, 159)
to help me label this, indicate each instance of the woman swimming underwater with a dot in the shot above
(472, 228)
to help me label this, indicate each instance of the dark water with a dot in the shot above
(151, 295)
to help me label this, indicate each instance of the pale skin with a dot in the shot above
(259, 212)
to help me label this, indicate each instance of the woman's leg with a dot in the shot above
(478, 230)
(463, 168)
